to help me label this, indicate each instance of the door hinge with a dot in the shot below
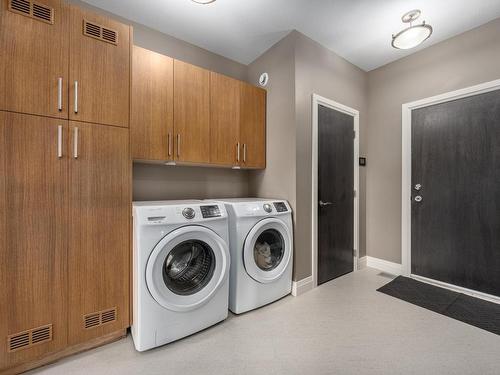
(355, 193)
(354, 134)
(355, 252)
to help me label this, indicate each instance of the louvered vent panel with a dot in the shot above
(99, 318)
(43, 13)
(37, 11)
(99, 32)
(29, 338)
(20, 6)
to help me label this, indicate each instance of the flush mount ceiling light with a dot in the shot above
(413, 35)
(203, 1)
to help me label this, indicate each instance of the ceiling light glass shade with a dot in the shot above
(412, 36)
(203, 1)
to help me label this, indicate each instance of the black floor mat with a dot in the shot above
(467, 309)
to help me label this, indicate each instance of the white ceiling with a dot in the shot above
(358, 30)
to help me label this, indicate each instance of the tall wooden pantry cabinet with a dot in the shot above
(65, 181)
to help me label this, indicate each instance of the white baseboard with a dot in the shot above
(384, 265)
(302, 286)
(362, 263)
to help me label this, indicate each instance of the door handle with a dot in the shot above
(244, 152)
(238, 152)
(75, 143)
(169, 140)
(178, 145)
(76, 97)
(324, 204)
(59, 141)
(59, 93)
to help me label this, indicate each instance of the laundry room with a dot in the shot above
(234, 187)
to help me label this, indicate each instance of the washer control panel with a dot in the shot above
(210, 211)
(188, 213)
(280, 206)
(267, 207)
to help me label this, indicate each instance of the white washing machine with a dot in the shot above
(261, 246)
(180, 270)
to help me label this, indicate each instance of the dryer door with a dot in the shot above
(187, 267)
(267, 250)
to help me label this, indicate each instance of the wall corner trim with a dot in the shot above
(384, 265)
(302, 286)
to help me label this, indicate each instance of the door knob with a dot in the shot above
(418, 198)
(324, 204)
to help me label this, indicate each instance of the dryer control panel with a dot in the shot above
(280, 206)
(210, 211)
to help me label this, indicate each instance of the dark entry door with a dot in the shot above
(456, 192)
(335, 194)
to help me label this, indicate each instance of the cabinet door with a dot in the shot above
(98, 252)
(99, 69)
(225, 148)
(152, 114)
(253, 126)
(34, 57)
(33, 218)
(191, 113)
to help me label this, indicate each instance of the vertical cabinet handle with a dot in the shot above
(59, 93)
(178, 145)
(76, 96)
(169, 140)
(238, 152)
(59, 141)
(75, 143)
(244, 152)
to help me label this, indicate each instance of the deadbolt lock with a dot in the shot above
(418, 187)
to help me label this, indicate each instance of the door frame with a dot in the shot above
(316, 101)
(407, 109)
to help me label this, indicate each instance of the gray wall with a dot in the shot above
(320, 71)
(299, 67)
(465, 60)
(159, 182)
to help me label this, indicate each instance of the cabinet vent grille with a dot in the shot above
(37, 11)
(99, 318)
(99, 32)
(29, 338)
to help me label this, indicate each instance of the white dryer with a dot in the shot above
(180, 270)
(261, 247)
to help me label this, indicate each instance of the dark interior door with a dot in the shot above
(335, 194)
(456, 222)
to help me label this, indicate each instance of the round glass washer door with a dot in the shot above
(187, 267)
(267, 250)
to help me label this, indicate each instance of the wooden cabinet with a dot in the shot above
(98, 252)
(191, 113)
(253, 126)
(225, 146)
(99, 69)
(204, 118)
(65, 197)
(33, 226)
(34, 57)
(152, 102)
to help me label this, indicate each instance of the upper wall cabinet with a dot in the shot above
(253, 126)
(34, 57)
(225, 147)
(99, 71)
(152, 115)
(191, 113)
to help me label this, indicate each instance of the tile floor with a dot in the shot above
(342, 327)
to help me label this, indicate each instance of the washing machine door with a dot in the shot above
(267, 250)
(187, 267)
